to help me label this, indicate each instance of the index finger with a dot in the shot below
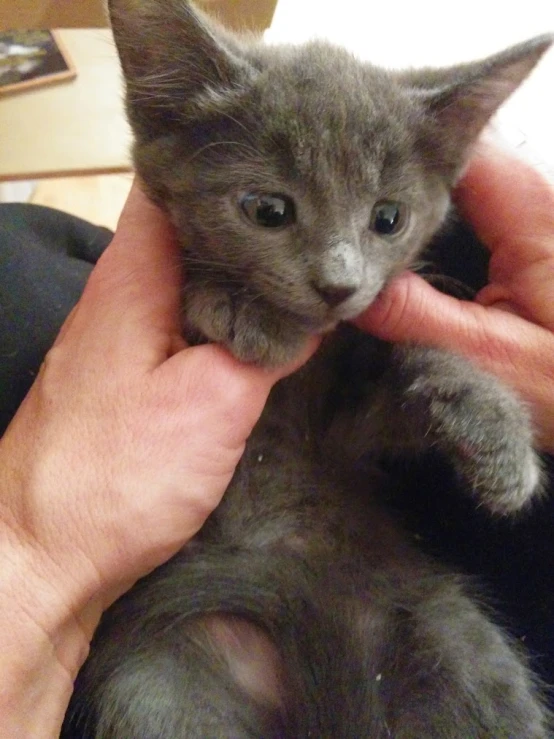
(133, 294)
(511, 207)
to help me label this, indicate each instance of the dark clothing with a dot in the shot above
(45, 259)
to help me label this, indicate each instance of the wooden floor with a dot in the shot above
(97, 199)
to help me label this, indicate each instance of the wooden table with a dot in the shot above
(77, 127)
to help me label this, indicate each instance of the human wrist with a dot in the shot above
(46, 624)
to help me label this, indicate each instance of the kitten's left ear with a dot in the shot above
(459, 101)
(172, 53)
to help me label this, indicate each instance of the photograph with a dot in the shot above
(31, 59)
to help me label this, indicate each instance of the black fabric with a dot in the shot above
(45, 259)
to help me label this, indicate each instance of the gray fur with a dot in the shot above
(301, 609)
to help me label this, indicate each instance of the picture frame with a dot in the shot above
(31, 59)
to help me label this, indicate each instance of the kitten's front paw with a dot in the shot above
(252, 330)
(503, 470)
(481, 426)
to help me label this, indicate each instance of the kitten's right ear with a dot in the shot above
(459, 101)
(170, 54)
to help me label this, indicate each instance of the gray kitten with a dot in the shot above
(300, 180)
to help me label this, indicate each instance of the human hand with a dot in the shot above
(126, 441)
(509, 329)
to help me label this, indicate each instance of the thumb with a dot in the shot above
(231, 393)
(500, 342)
(411, 310)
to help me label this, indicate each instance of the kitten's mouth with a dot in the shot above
(347, 311)
(332, 319)
(351, 309)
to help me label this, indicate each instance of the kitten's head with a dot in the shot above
(299, 179)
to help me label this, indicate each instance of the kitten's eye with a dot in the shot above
(388, 217)
(269, 211)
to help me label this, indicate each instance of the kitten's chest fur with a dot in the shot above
(300, 485)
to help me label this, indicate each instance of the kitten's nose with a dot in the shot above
(334, 295)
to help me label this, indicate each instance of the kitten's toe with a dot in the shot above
(528, 484)
(506, 483)
(264, 337)
(208, 314)
(494, 450)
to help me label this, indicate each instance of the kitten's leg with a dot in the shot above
(449, 673)
(213, 677)
(428, 398)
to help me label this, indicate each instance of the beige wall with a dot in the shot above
(254, 14)
(51, 13)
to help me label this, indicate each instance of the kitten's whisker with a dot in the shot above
(239, 124)
(202, 261)
(207, 279)
(445, 283)
(213, 144)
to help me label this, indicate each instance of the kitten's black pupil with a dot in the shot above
(386, 218)
(270, 211)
